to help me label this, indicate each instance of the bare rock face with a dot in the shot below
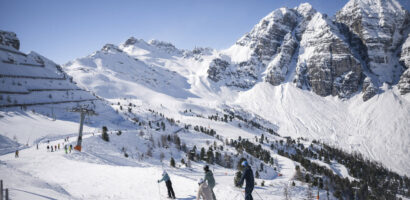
(216, 69)
(9, 39)
(404, 82)
(405, 53)
(380, 25)
(266, 37)
(278, 68)
(325, 62)
(369, 90)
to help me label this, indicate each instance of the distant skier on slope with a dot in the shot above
(250, 182)
(168, 183)
(16, 155)
(65, 148)
(204, 191)
(48, 148)
(209, 178)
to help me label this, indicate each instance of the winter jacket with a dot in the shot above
(248, 176)
(205, 192)
(209, 177)
(165, 178)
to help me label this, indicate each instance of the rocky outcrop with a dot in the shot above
(9, 39)
(278, 68)
(380, 25)
(217, 69)
(325, 61)
(111, 47)
(165, 46)
(369, 90)
(404, 83)
(232, 75)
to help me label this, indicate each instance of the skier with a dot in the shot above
(248, 176)
(65, 148)
(209, 178)
(17, 154)
(71, 147)
(51, 148)
(48, 148)
(37, 146)
(168, 183)
(204, 191)
(55, 147)
(58, 146)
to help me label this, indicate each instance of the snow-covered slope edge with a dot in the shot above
(35, 91)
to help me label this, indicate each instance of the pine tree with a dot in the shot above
(237, 178)
(202, 155)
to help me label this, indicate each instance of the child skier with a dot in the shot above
(209, 178)
(168, 183)
(204, 191)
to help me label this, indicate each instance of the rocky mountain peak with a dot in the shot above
(9, 39)
(130, 41)
(305, 9)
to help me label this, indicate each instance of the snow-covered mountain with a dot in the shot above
(289, 49)
(327, 56)
(292, 92)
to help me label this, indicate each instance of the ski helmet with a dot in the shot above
(245, 163)
(206, 168)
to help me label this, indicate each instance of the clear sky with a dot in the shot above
(65, 30)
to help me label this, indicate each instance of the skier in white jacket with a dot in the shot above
(204, 191)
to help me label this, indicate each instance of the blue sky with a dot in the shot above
(65, 30)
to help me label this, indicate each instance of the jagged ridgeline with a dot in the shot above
(359, 49)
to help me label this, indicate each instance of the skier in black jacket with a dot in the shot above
(250, 182)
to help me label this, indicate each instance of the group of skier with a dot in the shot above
(207, 184)
(67, 148)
